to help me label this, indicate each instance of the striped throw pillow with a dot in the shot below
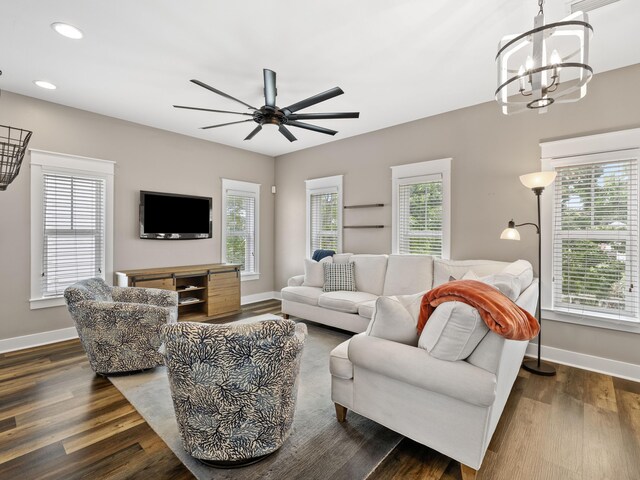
(339, 277)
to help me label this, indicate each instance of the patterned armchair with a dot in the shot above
(234, 387)
(119, 328)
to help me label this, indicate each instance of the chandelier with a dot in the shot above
(13, 145)
(548, 64)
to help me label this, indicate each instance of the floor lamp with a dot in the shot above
(536, 182)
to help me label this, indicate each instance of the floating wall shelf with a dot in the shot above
(368, 205)
(363, 226)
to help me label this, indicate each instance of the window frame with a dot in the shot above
(44, 162)
(248, 189)
(315, 186)
(620, 145)
(420, 172)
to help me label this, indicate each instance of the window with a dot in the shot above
(71, 223)
(592, 241)
(420, 210)
(240, 215)
(324, 214)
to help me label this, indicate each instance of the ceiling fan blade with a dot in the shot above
(254, 132)
(212, 110)
(322, 116)
(224, 124)
(321, 97)
(225, 95)
(285, 131)
(313, 128)
(270, 90)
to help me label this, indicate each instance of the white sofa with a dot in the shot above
(376, 275)
(450, 406)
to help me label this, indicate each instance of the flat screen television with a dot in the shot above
(170, 216)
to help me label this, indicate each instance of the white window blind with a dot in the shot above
(324, 221)
(595, 238)
(240, 228)
(419, 213)
(73, 231)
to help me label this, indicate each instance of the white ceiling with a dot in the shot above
(396, 60)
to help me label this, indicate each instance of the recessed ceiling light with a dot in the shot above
(43, 84)
(67, 30)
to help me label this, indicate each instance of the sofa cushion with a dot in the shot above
(412, 303)
(347, 302)
(453, 331)
(339, 277)
(407, 274)
(307, 295)
(339, 364)
(342, 257)
(444, 269)
(507, 284)
(366, 309)
(392, 321)
(370, 272)
(314, 272)
(522, 270)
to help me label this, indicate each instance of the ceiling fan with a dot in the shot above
(270, 113)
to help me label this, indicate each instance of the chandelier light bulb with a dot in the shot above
(521, 72)
(529, 64)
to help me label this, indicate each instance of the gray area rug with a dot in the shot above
(318, 447)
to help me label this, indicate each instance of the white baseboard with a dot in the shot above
(37, 339)
(259, 297)
(614, 368)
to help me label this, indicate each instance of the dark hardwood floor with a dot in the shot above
(60, 421)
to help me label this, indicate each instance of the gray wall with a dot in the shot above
(489, 152)
(147, 159)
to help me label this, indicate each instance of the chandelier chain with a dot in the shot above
(540, 4)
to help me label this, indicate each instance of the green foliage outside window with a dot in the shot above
(421, 230)
(594, 200)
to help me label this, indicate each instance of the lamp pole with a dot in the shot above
(537, 366)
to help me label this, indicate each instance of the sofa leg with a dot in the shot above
(468, 473)
(285, 316)
(341, 412)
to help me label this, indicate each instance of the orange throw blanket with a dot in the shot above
(499, 313)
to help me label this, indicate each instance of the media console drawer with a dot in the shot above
(205, 291)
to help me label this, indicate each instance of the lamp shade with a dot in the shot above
(538, 179)
(510, 234)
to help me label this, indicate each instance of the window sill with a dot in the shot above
(246, 277)
(46, 302)
(591, 320)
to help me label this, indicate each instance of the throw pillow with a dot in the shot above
(393, 321)
(507, 284)
(522, 270)
(453, 331)
(314, 273)
(339, 277)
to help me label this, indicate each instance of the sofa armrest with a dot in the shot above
(149, 296)
(296, 281)
(415, 366)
